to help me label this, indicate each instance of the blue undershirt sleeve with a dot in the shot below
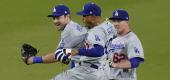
(135, 61)
(97, 51)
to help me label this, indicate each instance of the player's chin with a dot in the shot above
(60, 28)
(88, 26)
(57, 24)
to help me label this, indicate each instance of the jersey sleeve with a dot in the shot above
(96, 41)
(73, 37)
(97, 37)
(134, 48)
(111, 31)
(77, 37)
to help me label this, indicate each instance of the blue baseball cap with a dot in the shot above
(90, 9)
(120, 14)
(59, 10)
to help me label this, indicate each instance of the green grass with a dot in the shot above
(25, 21)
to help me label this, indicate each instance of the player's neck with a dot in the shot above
(126, 31)
(98, 21)
(68, 20)
(66, 23)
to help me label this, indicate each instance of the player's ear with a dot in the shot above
(67, 15)
(127, 22)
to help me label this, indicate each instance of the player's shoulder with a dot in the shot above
(107, 28)
(73, 26)
(131, 36)
(103, 24)
(97, 30)
(100, 26)
(106, 25)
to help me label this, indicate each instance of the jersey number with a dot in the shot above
(118, 57)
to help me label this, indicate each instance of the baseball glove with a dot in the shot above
(27, 51)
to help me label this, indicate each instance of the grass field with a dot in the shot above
(25, 21)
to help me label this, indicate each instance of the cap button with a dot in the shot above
(65, 12)
(91, 12)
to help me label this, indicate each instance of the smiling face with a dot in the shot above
(61, 21)
(122, 26)
(91, 21)
(88, 21)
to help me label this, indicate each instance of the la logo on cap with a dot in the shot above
(54, 10)
(116, 13)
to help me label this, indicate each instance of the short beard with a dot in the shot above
(61, 28)
(89, 26)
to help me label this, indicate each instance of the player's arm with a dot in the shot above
(135, 55)
(59, 55)
(126, 64)
(96, 51)
(48, 58)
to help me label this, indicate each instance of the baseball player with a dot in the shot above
(89, 59)
(125, 51)
(72, 36)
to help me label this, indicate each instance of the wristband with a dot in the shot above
(37, 59)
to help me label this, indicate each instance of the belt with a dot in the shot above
(94, 66)
(91, 65)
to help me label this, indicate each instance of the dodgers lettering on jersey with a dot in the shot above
(121, 48)
(72, 36)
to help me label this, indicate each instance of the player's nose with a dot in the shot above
(115, 23)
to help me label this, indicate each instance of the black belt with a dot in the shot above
(92, 65)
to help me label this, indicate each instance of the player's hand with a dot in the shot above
(72, 52)
(113, 65)
(27, 51)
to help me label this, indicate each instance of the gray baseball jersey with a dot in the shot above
(97, 35)
(72, 36)
(84, 71)
(124, 47)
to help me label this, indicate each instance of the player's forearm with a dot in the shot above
(124, 64)
(97, 51)
(49, 58)
(131, 63)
